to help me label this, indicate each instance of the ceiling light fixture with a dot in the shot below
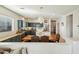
(21, 8)
(41, 7)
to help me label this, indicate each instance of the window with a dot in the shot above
(20, 24)
(5, 23)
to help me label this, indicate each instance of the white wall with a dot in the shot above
(63, 26)
(57, 25)
(69, 25)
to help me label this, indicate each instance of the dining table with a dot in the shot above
(29, 38)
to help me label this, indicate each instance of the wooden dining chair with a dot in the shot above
(35, 39)
(57, 37)
(44, 39)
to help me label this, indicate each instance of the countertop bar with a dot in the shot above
(7, 37)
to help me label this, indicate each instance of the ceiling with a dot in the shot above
(42, 10)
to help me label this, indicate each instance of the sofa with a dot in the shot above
(7, 50)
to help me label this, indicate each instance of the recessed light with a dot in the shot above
(21, 8)
(41, 7)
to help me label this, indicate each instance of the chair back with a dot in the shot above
(35, 39)
(58, 37)
(44, 39)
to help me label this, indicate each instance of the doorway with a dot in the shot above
(53, 26)
(69, 26)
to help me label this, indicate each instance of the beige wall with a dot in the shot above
(14, 16)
